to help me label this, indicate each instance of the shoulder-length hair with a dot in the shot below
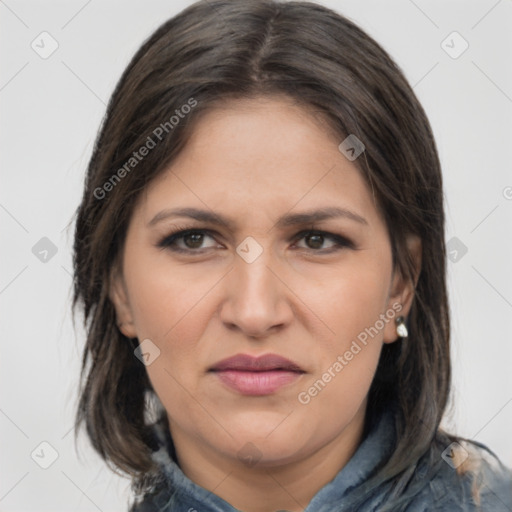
(217, 50)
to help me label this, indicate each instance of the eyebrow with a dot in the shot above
(287, 220)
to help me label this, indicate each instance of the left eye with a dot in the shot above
(315, 240)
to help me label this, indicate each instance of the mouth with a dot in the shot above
(257, 376)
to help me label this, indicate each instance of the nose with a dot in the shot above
(257, 300)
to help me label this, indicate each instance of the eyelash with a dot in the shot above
(168, 242)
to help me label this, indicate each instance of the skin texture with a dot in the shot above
(303, 298)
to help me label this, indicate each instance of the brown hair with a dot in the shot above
(218, 50)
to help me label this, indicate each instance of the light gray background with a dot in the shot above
(50, 112)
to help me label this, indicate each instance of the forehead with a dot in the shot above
(260, 155)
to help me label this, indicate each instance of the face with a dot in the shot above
(281, 253)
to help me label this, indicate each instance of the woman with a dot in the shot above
(260, 258)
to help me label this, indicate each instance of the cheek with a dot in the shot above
(170, 308)
(168, 300)
(349, 299)
(352, 307)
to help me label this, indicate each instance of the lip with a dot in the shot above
(257, 376)
(248, 363)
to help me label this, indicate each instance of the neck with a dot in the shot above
(289, 486)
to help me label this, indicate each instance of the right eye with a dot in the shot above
(188, 240)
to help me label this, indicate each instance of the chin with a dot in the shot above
(268, 446)
(267, 453)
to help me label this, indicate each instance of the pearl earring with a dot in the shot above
(401, 328)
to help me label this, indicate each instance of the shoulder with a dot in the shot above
(469, 478)
(159, 498)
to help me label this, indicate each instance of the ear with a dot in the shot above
(119, 297)
(402, 290)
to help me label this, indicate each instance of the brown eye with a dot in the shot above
(315, 241)
(190, 240)
(195, 240)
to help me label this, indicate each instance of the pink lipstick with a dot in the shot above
(255, 376)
